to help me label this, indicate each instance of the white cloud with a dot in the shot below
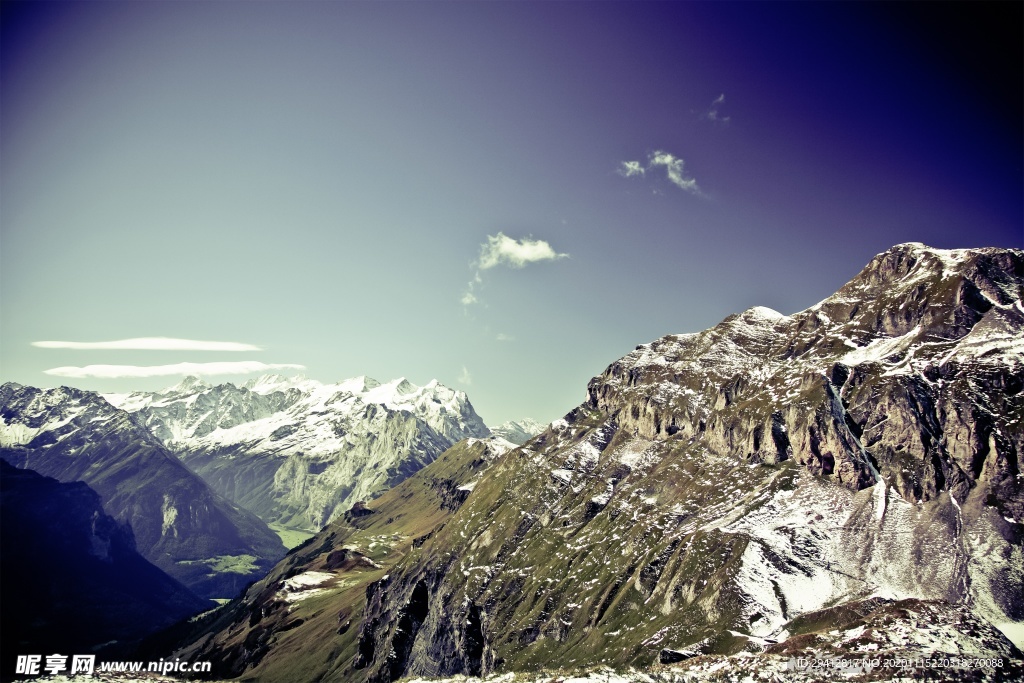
(502, 337)
(214, 368)
(674, 170)
(465, 377)
(502, 249)
(149, 344)
(628, 169)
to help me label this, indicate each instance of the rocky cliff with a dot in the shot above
(717, 493)
(212, 546)
(72, 579)
(299, 453)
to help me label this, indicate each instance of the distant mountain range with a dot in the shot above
(291, 452)
(845, 480)
(518, 431)
(299, 453)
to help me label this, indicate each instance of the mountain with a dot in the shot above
(842, 480)
(72, 579)
(518, 431)
(299, 453)
(182, 526)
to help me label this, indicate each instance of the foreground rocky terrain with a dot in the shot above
(774, 486)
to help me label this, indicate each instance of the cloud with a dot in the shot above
(628, 169)
(502, 337)
(674, 170)
(713, 114)
(215, 368)
(465, 377)
(502, 250)
(149, 344)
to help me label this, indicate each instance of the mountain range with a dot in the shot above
(198, 471)
(518, 431)
(843, 480)
(299, 453)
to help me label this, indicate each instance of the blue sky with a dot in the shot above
(326, 182)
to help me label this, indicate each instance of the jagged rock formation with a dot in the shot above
(297, 452)
(72, 579)
(910, 373)
(518, 431)
(179, 523)
(715, 491)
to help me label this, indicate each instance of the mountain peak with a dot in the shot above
(271, 382)
(404, 386)
(190, 384)
(358, 385)
(762, 313)
(518, 432)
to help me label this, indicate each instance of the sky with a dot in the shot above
(505, 197)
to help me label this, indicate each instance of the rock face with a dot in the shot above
(178, 522)
(72, 579)
(716, 492)
(910, 374)
(297, 452)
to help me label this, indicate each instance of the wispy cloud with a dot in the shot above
(673, 166)
(502, 337)
(628, 169)
(214, 368)
(502, 250)
(674, 170)
(714, 112)
(149, 344)
(464, 377)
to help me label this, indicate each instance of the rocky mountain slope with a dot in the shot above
(518, 431)
(212, 546)
(716, 491)
(72, 579)
(746, 490)
(297, 452)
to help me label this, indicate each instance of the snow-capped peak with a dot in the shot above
(764, 312)
(268, 384)
(189, 385)
(518, 431)
(358, 385)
